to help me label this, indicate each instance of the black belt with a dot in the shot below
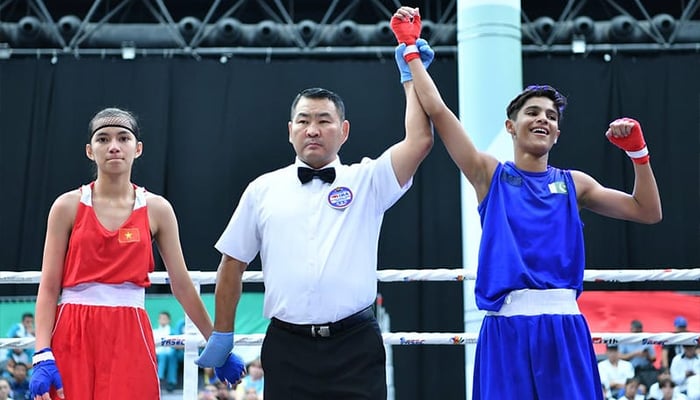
(327, 329)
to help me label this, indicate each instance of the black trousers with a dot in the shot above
(349, 365)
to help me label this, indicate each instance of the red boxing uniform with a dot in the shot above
(102, 339)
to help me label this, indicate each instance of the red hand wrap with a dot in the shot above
(406, 31)
(411, 53)
(633, 144)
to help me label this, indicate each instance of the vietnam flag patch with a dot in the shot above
(129, 235)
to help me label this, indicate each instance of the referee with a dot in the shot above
(316, 225)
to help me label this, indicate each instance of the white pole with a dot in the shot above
(489, 71)
(190, 373)
(385, 326)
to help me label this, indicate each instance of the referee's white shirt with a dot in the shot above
(319, 262)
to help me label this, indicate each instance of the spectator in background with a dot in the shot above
(208, 392)
(680, 324)
(14, 357)
(223, 392)
(631, 391)
(655, 392)
(669, 392)
(24, 329)
(207, 377)
(166, 355)
(693, 387)
(684, 366)
(5, 389)
(254, 380)
(251, 394)
(642, 357)
(19, 382)
(614, 372)
(7, 366)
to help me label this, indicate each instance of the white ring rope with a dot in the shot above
(192, 340)
(408, 275)
(419, 338)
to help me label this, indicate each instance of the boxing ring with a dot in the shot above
(193, 341)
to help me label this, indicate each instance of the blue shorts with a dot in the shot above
(536, 357)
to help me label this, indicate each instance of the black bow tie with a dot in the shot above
(307, 174)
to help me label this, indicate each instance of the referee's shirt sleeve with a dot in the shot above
(240, 239)
(385, 183)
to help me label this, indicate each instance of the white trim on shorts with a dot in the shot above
(530, 302)
(103, 294)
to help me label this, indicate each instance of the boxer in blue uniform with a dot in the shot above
(534, 343)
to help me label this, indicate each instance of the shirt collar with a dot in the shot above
(335, 163)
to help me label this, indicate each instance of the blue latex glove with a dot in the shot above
(45, 374)
(232, 370)
(217, 350)
(404, 70)
(426, 56)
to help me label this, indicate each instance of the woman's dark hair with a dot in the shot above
(113, 116)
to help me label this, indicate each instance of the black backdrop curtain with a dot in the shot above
(209, 128)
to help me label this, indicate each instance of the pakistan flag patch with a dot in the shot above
(558, 187)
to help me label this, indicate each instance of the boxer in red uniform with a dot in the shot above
(97, 343)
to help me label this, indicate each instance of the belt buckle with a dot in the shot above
(323, 331)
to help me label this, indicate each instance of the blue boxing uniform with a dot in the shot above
(534, 342)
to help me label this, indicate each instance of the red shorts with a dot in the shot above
(105, 353)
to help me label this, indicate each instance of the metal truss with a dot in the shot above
(322, 27)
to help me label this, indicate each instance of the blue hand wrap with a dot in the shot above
(44, 375)
(232, 370)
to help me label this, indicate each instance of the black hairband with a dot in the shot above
(115, 126)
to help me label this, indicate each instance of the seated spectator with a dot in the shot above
(16, 356)
(7, 366)
(642, 357)
(255, 379)
(208, 392)
(5, 389)
(19, 382)
(631, 389)
(24, 329)
(167, 357)
(207, 376)
(19, 356)
(251, 394)
(669, 392)
(223, 392)
(693, 387)
(614, 372)
(655, 392)
(685, 365)
(680, 324)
